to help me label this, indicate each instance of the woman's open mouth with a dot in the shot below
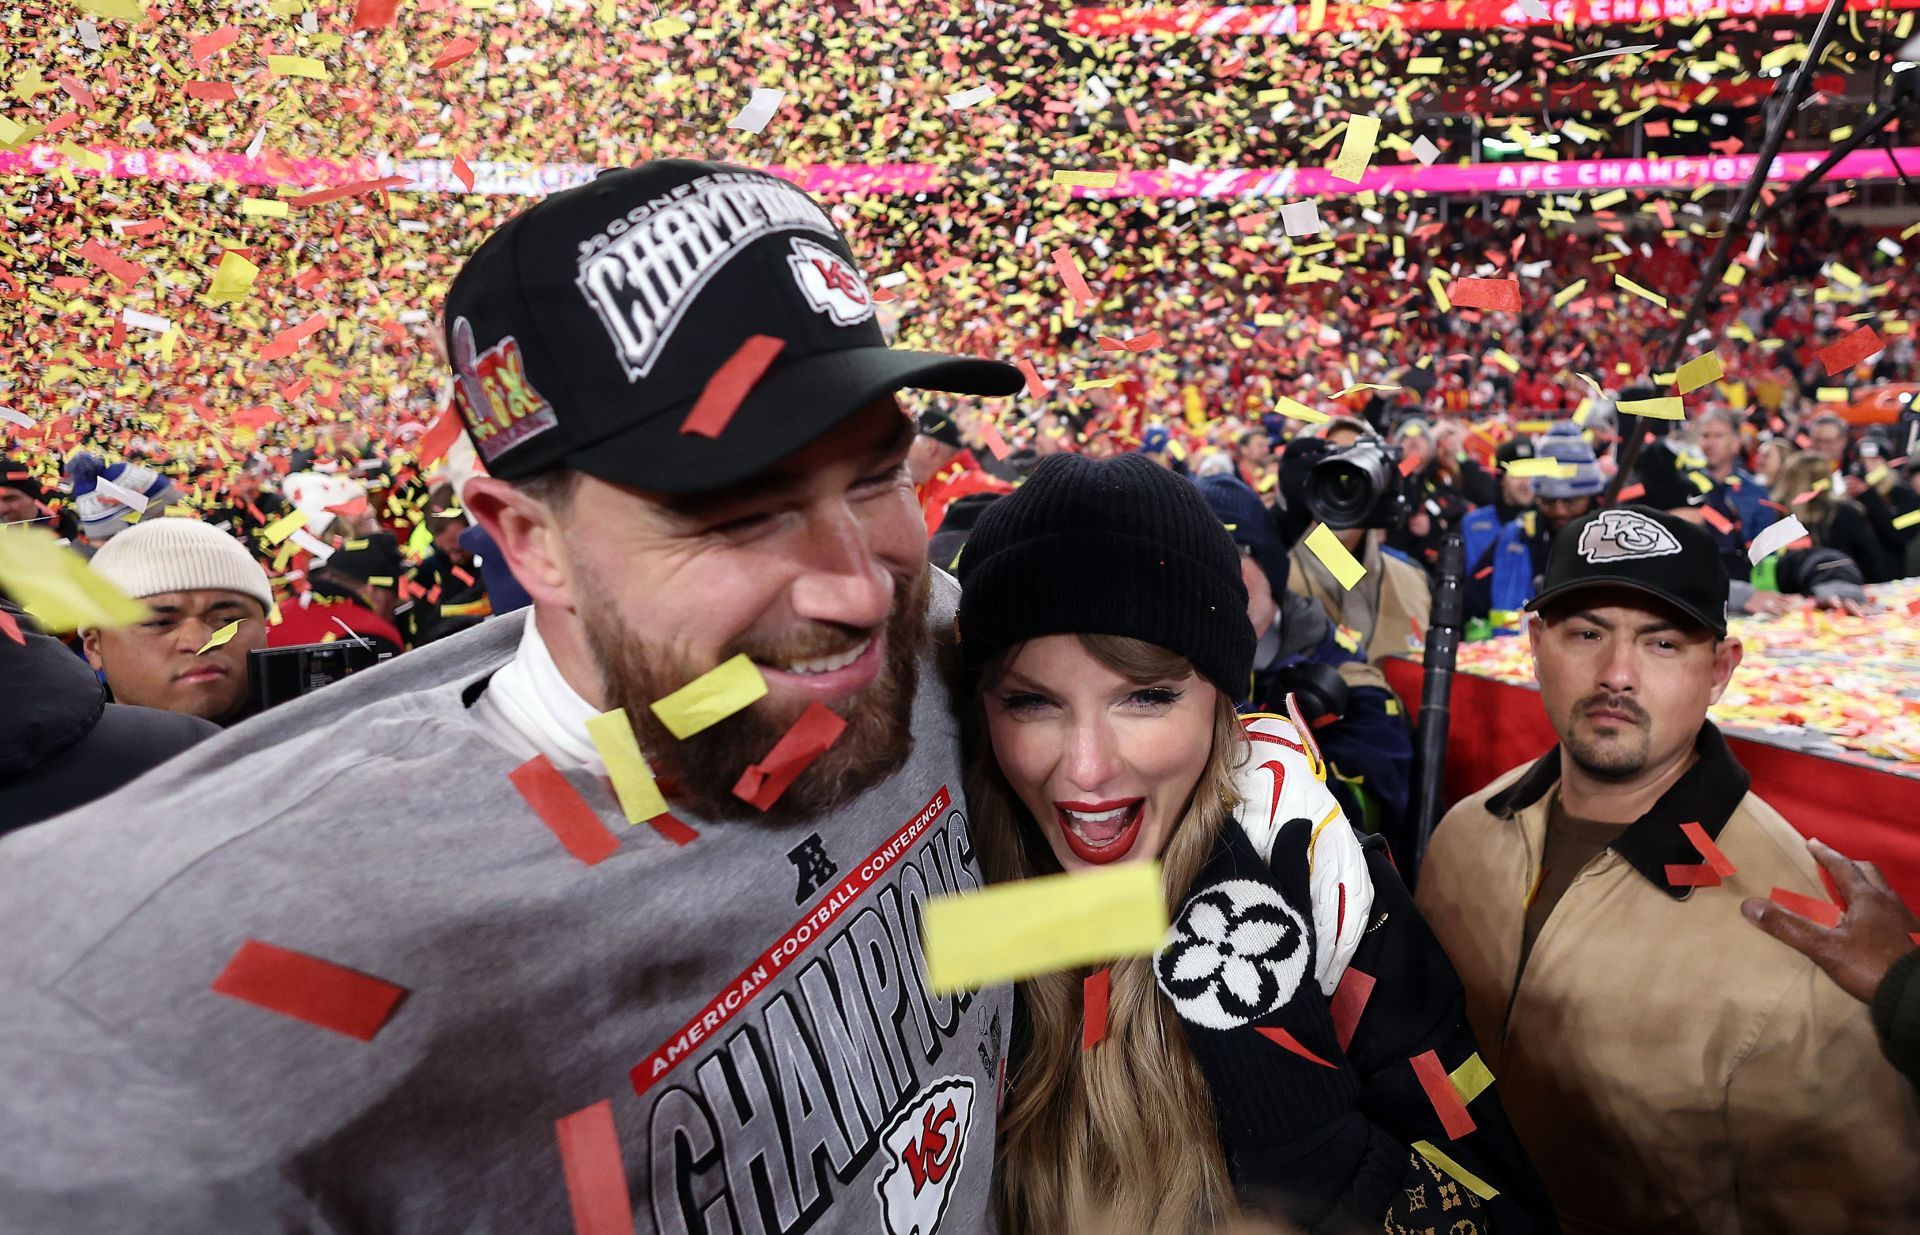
(1100, 832)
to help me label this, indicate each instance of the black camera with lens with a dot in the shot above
(281, 675)
(1359, 485)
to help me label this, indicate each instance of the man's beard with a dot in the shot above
(1611, 762)
(701, 771)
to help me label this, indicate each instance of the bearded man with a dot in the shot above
(497, 938)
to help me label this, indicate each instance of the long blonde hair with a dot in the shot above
(1799, 474)
(1120, 1137)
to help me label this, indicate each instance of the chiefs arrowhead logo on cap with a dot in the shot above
(830, 283)
(1625, 535)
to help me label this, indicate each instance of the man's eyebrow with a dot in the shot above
(1585, 615)
(1656, 626)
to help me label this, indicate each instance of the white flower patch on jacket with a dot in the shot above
(1284, 779)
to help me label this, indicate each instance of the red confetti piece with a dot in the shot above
(1708, 850)
(674, 830)
(1823, 912)
(1498, 294)
(1717, 521)
(1063, 261)
(463, 172)
(373, 14)
(354, 189)
(128, 273)
(11, 628)
(596, 1175)
(211, 91)
(77, 90)
(1348, 1003)
(1139, 343)
(1850, 351)
(729, 386)
(442, 432)
(207, 46)
(457, 49)
(1281, 1037)
(309, 989)
(1440, 1091)
(995, 443)
(288, 341)
(1035, 387)
(1701, 876)
(564, 811)
(1093, 1008)
(818, 728)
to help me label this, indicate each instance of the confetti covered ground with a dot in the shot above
(1810, 680)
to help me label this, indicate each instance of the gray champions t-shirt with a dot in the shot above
(751, 1004)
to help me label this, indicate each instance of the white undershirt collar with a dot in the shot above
(531, 705)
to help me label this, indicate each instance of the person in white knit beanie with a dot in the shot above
(196, 581)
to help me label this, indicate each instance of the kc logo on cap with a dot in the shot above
(830, 283)
(1624, 535)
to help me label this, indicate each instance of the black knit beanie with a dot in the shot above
(1107, 547)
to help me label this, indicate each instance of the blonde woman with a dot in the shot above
(1808, 488)
(1289, 1043)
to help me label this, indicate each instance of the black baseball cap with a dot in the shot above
(1646, 550)
(586, 328)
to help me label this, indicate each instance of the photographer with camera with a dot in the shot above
(1349, 479)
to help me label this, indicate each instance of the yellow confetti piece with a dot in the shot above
(712, 697)
(1471, 1078)
(1467, 1179)
(1269, 319)
(283, 527)
(1832, 394)
(1698, 372)
(56, 586)
(1669, 407)
(1439, 292)
(1356, 151)
(233, 279)
(1735, 276)
(298, 66)
(1568, 293)
(1605, 200)
(1013, 931)
(1299, 411)
(666, 28)
(220, 638)
(1323, 544)
(1426, 66)
(119, 10)
(1505, 361)
(633, 783)
(1538, 468)
(1841, 275)
(263, 207)
(1097, 383)
(1623, 281)
(1902, 522)
(1087, 180)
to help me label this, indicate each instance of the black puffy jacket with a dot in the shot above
(61, 743)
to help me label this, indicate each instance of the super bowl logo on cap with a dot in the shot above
(830, 283)
(499, 404)
(1625, 535)
(643, 271)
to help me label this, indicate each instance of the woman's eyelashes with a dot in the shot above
(1151, 698)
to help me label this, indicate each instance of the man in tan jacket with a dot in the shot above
(1668, 1067)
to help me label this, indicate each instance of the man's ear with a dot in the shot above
(1727, 654)
(528, 532)
(90, 644)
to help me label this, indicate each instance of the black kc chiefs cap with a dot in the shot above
(585, 329)
(1646, 550)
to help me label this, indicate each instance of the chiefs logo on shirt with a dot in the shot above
(925, 1145)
